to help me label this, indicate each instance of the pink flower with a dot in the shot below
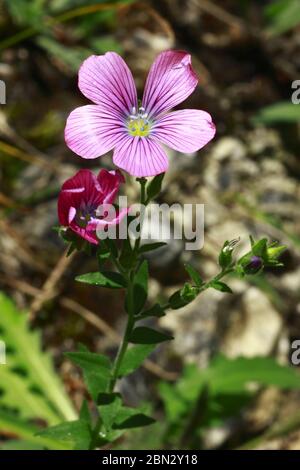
(116, 121)
(82, 195)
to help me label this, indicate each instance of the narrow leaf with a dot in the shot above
(154, 187)
(151, 246)
(108, 279)
(155, 311)
(96, 370)
(221, 286)
(76, 433)
(135, 421)
(134, 357)
(145, 335)
(194, 275)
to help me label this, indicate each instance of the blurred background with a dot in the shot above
(247, 55)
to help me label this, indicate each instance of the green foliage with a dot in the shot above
(112, 280)
(220, 286)
(194, 275)
(96, 370)
(151, 246)
(127, 256)
(232, 375)
(154, 187)
(140, 287)
(218, 392)
(135, 421)
(116, 417)
(38, 17)
(225, 256)
(134, 357)
(28, 382)
(155, 311)
(75, 434)
(183, 296)
(282, 15)
(12, 423)
(281, 112)
(71, 58)
(146, 335)
(25, 12)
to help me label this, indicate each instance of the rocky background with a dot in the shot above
(248, 179)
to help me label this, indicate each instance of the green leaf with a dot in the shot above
(77, 434)
(108, 279)
(103, 254)
(227, 381)
(155, 311)
(136, 421)
(260, 248)
(145, 335)
(10, 423)
(284, 111)
(232, 375)
(194, 275)
(109, 406)
(127, 254)
(175, 404)
(96, 370)
(283, 15)
(154, 187)
(84, 414)
(18, 395)
(13, 444)
(151, 246)
(70, 57)
(102, 44)
(184, 296)
(28, 382)
(111, 244)
(140, 287)
(221, 286)
(134, 357)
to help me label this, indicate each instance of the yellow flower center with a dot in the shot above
(139, 127)
(138, 124)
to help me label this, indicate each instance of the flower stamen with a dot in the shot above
(138, 124)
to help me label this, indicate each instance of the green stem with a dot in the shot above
(130, 308)
(124, 345)
(143, 202)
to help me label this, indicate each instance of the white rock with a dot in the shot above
(255, 327)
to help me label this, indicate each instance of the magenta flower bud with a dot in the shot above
(81, 197)
(115, 121)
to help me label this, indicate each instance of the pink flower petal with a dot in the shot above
(81, 187)
(109, 182)
(107, 81)
(170, 81)
(112, 220)
(86, 233)
(90, 133)
(72, 214)
(140, 156)
(187, 130)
